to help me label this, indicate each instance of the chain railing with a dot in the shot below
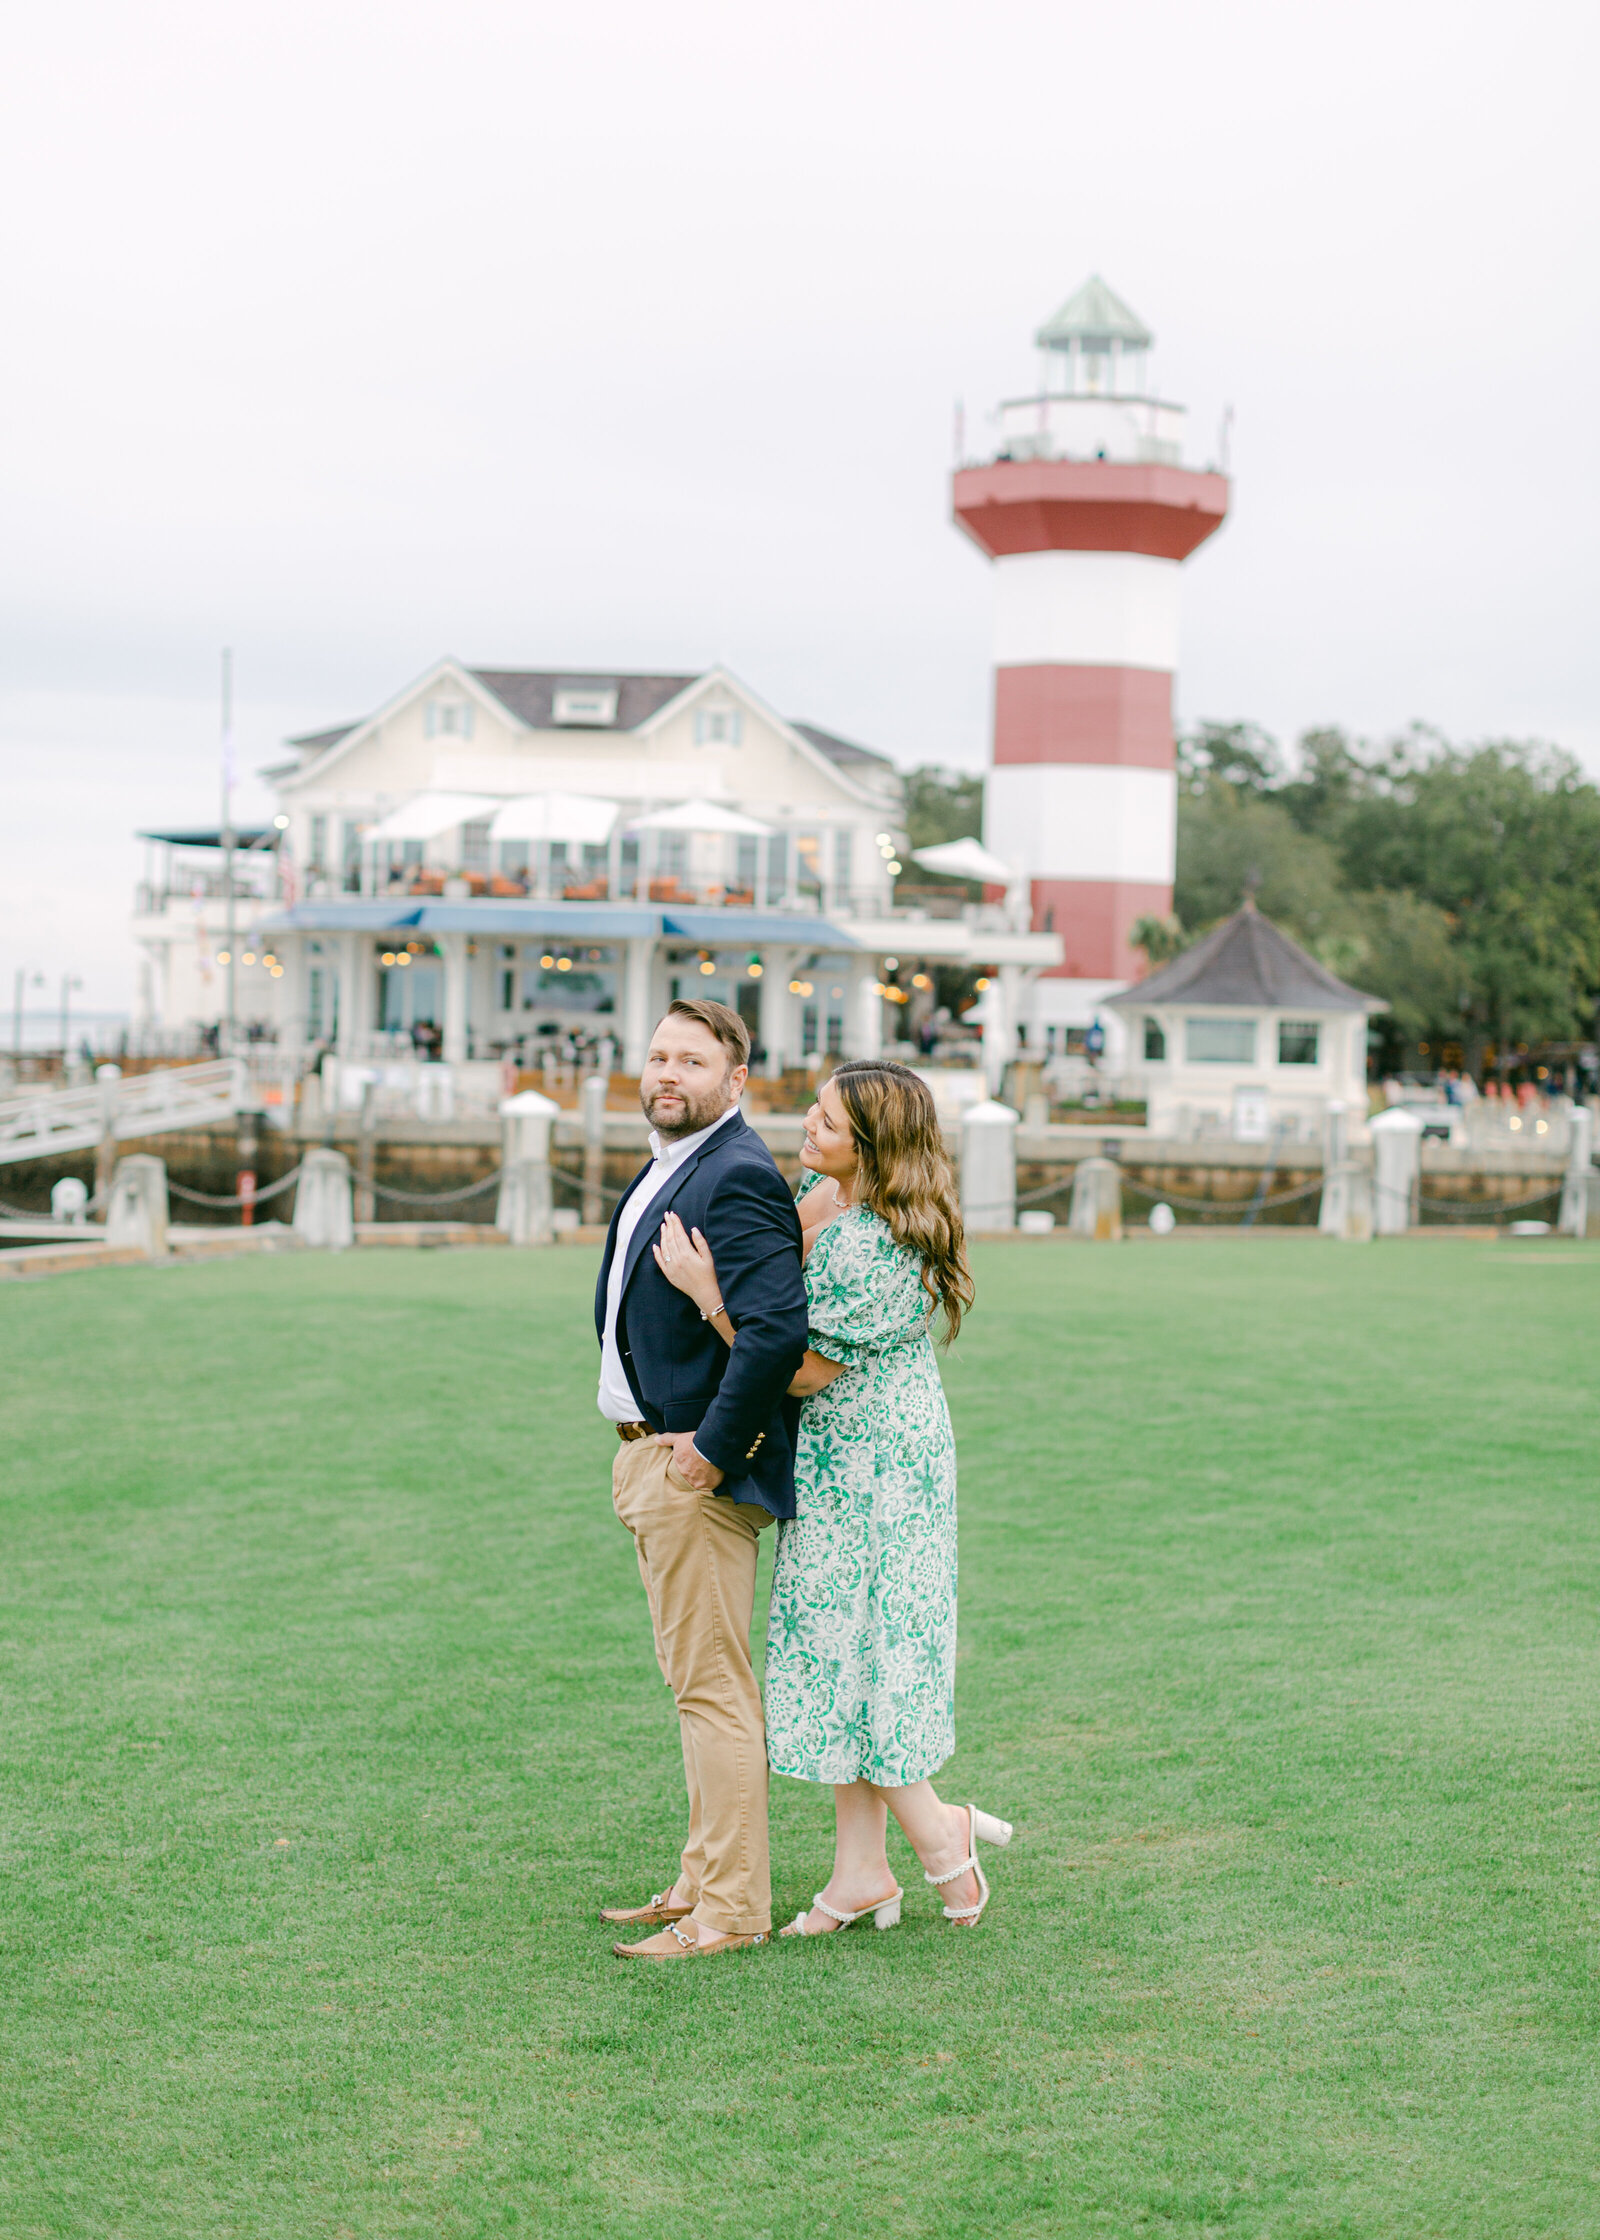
(255, 1198)
(1463, 1208)
(1456, 1209)
(433, 1197)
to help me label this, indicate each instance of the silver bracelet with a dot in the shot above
(711, 1313)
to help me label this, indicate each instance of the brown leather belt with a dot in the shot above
(634, 1431)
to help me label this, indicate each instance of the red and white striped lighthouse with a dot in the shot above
(1088, 514)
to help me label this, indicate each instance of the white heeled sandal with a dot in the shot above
(885, 1915)
(984, 1826)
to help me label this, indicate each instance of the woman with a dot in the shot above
(861, 1640)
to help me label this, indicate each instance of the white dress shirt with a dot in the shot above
(617, 1401)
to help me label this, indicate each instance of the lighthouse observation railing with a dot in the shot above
(44, 1122)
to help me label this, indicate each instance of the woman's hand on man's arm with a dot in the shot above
(813, 1373)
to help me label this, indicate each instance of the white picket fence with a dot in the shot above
(42, 1122)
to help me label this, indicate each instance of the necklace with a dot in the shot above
(840, 1200)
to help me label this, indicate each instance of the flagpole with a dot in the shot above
(230, 944)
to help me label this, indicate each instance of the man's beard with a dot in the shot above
(700, 1108)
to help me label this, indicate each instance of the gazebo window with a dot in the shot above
(1297, 1042)
(1155, 1041)
(1219, 1042)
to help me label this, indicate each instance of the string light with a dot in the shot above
(981, 983)
(249, 957)
(563, 964)
(920, 980)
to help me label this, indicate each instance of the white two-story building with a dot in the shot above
(496, 855)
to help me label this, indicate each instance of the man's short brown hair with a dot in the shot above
(719, 1019)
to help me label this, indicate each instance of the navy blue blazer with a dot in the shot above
(683, 1376)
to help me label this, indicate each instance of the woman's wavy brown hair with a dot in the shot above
(905, 1177)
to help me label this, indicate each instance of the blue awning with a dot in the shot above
(732, 929)
(364, 916)
(573, 921)
(581, 921)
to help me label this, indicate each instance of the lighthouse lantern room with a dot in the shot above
(1088, 514)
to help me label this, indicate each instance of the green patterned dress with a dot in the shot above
(861, 1641)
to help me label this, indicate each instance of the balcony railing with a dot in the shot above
(644, 888)
(439, 883)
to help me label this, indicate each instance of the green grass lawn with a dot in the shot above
(331, 1717)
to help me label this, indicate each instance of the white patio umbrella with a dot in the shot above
(702, 816)
(967, 859)
(582, 817)
(426, 815)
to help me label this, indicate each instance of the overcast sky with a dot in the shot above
(629, 335)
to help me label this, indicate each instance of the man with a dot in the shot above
(706, 1454)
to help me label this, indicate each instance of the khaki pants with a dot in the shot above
(697, 1558)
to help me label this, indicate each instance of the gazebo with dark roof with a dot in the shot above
(1247, 960)
(1246, 1034)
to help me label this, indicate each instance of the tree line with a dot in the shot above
(1460, 883)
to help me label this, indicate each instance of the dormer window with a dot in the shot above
(448, 719)
(718, 727)
(594, 705)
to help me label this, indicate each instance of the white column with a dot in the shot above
(455, 998)
(291, 951)
(1397, 1151)
(989, 1166)
(864, 1027)
(777, 1007)
(136, 1218)
(353, 954)
(1578, 1190)
(322, 1202)
(1097, 1200)
(1331, 1214)
(999, 1031)
(523, 1211)
(637, 1019)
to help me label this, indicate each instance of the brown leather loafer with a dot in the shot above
(659, 1911)
(674, 1945)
